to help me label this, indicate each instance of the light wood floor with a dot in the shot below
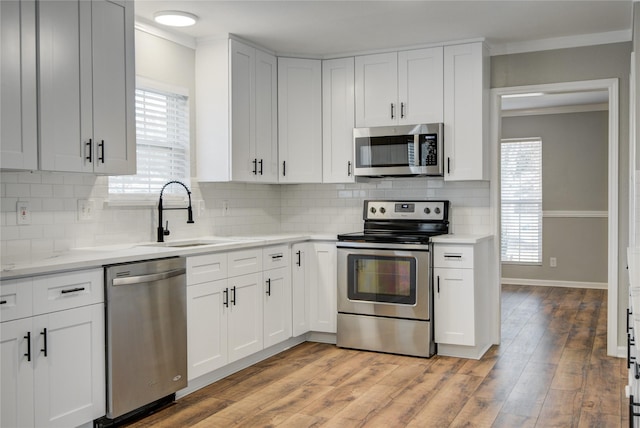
(551, 370)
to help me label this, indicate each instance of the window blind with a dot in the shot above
(521, 201)
(162, 144)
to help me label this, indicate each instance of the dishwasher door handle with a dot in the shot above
(148, 278)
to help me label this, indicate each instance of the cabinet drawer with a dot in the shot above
(275, 257)
(68, 290)
(244, 262)
(453, 256)
(205, 268)
(15, 299)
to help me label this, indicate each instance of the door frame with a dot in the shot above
(612, 87)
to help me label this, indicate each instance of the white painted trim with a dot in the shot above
(575, 214)
(561, 42)
(622, 350)
(146, 26)
(582, 108)
(554, 283)
(612, 87)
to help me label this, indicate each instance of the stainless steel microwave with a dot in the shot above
(392, 151)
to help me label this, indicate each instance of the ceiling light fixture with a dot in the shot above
(528, 94)
(175, 18)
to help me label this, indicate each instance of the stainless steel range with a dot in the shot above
(385, 291)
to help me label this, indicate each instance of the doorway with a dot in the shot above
(610, 86)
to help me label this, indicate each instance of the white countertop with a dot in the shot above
(459, 239)
(95, 257)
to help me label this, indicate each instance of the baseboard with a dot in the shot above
(552, 283)
(622, 352)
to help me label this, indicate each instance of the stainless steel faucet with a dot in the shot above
(162, 232)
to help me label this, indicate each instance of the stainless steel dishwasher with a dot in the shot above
(146, 324)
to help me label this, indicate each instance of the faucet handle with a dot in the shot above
(166, 231)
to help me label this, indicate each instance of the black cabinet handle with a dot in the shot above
(44, 333)
(3, 302)
(233, 295)
(448, 165)
(225, 300)
(101, 145)
(299, 262)
(90, 147)
(269, 287)
(401, 110)
(255, 166)
(438, 284)
(260, 166)
(349, 169)
(393, 113)
(277, 256)
(28, 354)
(72, 290)
(453, 256)
(284, 168)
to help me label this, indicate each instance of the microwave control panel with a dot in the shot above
(429, 149)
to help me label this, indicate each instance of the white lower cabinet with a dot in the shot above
(53, 363)
(322, 287)
(461, 305)
(277, 294)
(300, 303)
(245, 316)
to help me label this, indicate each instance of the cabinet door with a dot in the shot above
(64, 28)
(454, 306)
(420, 86)
(376, 89)
(70, 377)
(18, 126)
(277, 305)
(113, 88)
(338, 114)
(243, 117)
(16, 368)
(322, 276)
(466, 89)
(300, 120)
(266, 117)
(299, 289)
(245, 316)
(206, 327)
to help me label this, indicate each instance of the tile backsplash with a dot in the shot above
(223, 209)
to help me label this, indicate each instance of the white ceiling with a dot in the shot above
(331, 28)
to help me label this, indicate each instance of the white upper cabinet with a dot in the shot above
(236, 112)
(86, 86)
(399, 88)
(300, 120)
(18, 128)
(338, 119)
(466, 112)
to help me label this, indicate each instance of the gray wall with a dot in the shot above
(576, 64)
(574, 178)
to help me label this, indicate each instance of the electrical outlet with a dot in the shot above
(85, 209)
(225, 208)
(23, 212)
(553, 262)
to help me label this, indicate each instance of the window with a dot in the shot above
(162, 143)
(521, 194)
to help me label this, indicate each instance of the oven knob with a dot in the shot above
(427, 210)
(437, 210)
(382, 210)
(373, 210)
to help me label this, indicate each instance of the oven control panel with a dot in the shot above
(406, 210)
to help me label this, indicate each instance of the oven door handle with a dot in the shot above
(383, 246)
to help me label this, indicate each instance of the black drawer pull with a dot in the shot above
(276, 256)
(28, 354)
(90, 147)
(260, 167)
(72, 290)
(255, 166)
(3, 302)
(233, 296)
(44, 333)
(453, 256)
(299, 253)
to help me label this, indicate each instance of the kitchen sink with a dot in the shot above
(190, 243)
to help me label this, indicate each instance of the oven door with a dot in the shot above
(384, 282)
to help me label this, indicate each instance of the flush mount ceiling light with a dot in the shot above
(175, 18)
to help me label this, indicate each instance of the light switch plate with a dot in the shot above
(23, 212)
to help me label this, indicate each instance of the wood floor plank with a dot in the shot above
(550, 370)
